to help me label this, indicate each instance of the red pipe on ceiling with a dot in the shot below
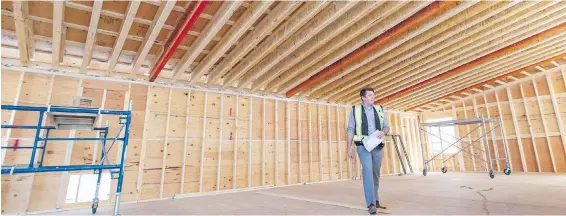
(463, 68)
(480, 85)
(416, 19)
(179, 33)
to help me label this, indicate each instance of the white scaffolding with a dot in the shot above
(484, 125)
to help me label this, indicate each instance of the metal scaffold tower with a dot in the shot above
(73, 118)
(485, 126)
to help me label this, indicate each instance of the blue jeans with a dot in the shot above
(371, 165)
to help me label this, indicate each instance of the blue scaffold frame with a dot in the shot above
(114, 169)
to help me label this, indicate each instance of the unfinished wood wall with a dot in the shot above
(184, 141)
(533, 110)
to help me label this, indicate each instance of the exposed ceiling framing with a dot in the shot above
(417, 55)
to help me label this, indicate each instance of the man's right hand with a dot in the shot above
(350, 153)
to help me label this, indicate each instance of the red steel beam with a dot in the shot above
(179, 33)
(476, 62)
(480, 85)
(428, 12)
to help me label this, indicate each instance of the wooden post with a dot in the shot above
(65, 175)
(517, 130)
(276, 141)
(220, 142)
(299, 136)
(234, 174)
(165, 144)
(556, 110)
(12, 116)
(144, 144)
(493, 139)
(203, 141)
(288, 130)
(469, 136)
(460, 156)
(530, 126)
(319, 142)
(350, 160)
(263, 146)
(480, 132)
(329, 140)
(398, 131)
(185, 141)
(310, 144)
(544, 124)
(250, 145)
(503, 137)
(339, 143)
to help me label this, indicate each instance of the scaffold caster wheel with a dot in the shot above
(444, 169)
(491, 174)
(424, 172)
(507, 171)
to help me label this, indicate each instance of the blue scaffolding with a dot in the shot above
(75, 113)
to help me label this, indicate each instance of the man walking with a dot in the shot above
(366, 119)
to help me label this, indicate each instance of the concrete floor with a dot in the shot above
(437, 193)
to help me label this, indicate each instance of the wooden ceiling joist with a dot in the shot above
(123, 35)
(425, 14)
(264, 28)
(511, 63)
(240, 27)
(153, 31)
(329, 33)
(91, 34)
(436, 56)
(479, 45)
(309, 30)
(24, 31)
(178, 35)
(209, 32)
(430, 42)
(302, 16)
(542, 50)
(377, 22)
(58, 43)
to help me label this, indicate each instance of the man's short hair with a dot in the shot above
(364, 90)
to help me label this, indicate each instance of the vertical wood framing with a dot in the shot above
(329, 139)
(319, 142)
(13, 115)
(299, 137)
(58, 42)
(460, 156)
(65, 175)
(203, 142)
(544, 124)
(480, 132)
(98, 124)
(220, 142)
(250, 145)
(517, 130)
(469, 136)
(341, 176)
(398, 131)
(503, 137)
(530, 126)
(493, 139)
(185, 142)
(234, 174)
(163, 163)
(276, 147)
(310, 143)
(263, 144)
(288, 132)
(556, 110)
(144, 144)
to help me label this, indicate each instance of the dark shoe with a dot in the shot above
(379, 206)
(371, 209)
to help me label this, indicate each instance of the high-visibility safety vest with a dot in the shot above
(360, 117)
